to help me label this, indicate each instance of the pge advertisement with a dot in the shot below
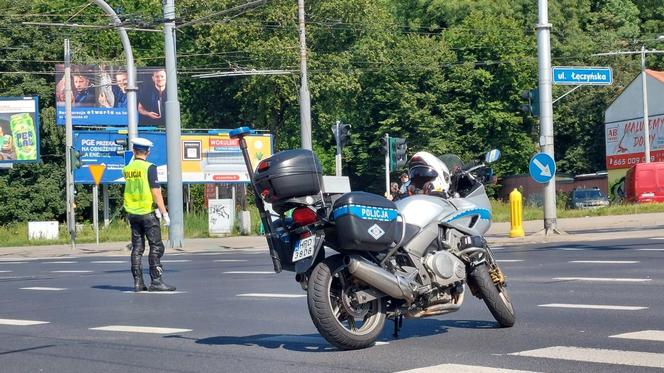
(19, 129)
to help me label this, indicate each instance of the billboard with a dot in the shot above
(206, 158)
(625, 141)
(99, 95)
(19, 129)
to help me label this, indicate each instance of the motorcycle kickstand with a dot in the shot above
(398, 323)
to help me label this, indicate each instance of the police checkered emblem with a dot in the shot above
(376, 232)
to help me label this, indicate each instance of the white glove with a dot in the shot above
(158, 213)
(167, 220)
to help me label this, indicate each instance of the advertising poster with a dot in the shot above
(625, 142)
(205, 158)
(19, 129)
(99, 95)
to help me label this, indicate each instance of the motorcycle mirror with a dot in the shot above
(492, 156)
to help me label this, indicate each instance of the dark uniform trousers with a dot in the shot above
(142, 227)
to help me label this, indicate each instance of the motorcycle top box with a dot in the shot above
(365, 222)
(288, 174)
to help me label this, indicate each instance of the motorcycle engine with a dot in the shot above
(445, 267)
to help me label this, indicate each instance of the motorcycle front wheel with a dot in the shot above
(495, 296)
(337, 316)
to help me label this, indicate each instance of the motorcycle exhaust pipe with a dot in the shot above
(390, 284)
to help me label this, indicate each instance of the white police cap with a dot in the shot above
(140, 142)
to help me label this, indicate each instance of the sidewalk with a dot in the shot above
(575, 229)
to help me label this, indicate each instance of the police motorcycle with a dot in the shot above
(363, 259)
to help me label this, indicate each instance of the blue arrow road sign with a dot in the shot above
(542, 168)
(582, 75)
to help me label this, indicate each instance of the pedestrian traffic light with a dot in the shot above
(398, 148)
(341, 133)
(74, 159)
(533, 105)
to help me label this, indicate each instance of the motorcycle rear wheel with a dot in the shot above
(495, 296)
(346, 325)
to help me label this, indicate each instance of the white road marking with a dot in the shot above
(230, 260)
(272, 295)
(498, 248)
(602, 279)
(44, 288)
(594, 306)
(650, 249)
(597, 355)
(657, 238)
(155, 292)
(458, 368)
(13, 262)
(284, 338)
(605, 261)
(176, 261)
(5, 271)
(109, 262)
(60, 262)
(21, 322)
(509, 260)
(569, 249)
(72, 271)
(250, 272)
(140, 329)
(646, 335)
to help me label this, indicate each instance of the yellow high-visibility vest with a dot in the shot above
(137, 194)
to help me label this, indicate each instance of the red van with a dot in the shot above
(644, 182)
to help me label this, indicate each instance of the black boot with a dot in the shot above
(157, 283)
(139, 284)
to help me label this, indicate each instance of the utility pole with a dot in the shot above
(69, 141)
(644, 87)
(173, 131)
(337, 159)
(305, 99)
(546, 110)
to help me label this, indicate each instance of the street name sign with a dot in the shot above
(542, 168)
(570, 75)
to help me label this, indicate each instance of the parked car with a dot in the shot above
(581, 198)
(644, 182)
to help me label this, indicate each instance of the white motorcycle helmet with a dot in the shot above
(428, 173)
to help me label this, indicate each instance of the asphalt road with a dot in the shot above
(583, 307)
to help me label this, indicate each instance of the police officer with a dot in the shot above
(141, 192)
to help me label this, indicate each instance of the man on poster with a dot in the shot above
(152, 98)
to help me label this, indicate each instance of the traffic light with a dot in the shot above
(533, 105)
(123, 143)
(74, 159)
(341, 133)
(398, 148)
(384, 145)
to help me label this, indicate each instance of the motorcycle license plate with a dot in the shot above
(304, 248)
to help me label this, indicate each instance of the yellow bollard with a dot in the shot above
(516, 212)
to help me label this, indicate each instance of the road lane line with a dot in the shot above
(458, 368)
(5, 271)
(13, 262)
(657, 238)
(21, 322)
(72, 271)
(109, 262)
(509, 260)
(60, 262)
(594, 306)
(44, 288)
(176, 260)
(271, 295)
(605, 261)
(646, 335)
(250, 273)
(602, 279)
(650, 249)
(597, 355)
(154, 292)
(140, 329)
(569, 249)
(229, 260)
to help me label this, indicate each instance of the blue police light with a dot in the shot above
(240, 131)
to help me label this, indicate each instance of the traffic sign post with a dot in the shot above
(542, 168)
(571, 75)
(97, 171)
